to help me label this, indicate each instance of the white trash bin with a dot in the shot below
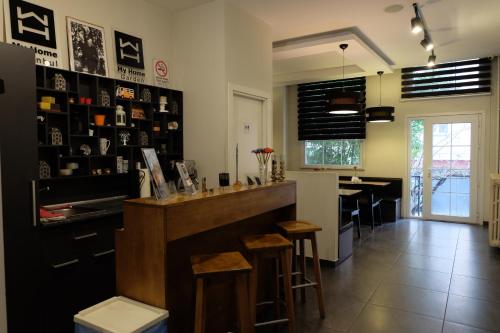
(121, 315)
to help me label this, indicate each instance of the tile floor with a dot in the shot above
(411, 277)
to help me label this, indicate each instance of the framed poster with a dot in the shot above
(87, 47)
(159, 184)
(32, 26)
(129, 56)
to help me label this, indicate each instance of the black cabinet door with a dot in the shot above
(19, 158)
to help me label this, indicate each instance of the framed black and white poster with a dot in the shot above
(129, 50)
(87, 47)
(129, 55)
(32, 26)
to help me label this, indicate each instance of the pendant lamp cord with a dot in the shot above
(343, 71)
(380, 90)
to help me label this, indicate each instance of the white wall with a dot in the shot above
(136, 17)
(279, 119)
(385, 144)
(216, 44)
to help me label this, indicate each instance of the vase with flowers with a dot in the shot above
(263, 155)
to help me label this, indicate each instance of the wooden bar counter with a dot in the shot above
(153, 249)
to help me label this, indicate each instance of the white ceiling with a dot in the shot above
(176, 5)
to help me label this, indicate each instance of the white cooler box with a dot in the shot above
(121, 315)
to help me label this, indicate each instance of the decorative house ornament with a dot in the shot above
(163, 103)
(104, 98)
(44, 169)
(125, 93)
(59, 82)
(56, 138)
(121, 116)
(143, 138)
(124, 137)
(146, 95)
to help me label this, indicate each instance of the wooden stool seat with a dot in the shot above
(278, 248)
(228, 262)
(255, 243)
(235, 266)
(298, 232)
(298, 227)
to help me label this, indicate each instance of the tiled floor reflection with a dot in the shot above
(411, 276)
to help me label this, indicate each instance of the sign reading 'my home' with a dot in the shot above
(32, 26)
(129, 57)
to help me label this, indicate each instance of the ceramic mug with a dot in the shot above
(104, 145)
(99, 119)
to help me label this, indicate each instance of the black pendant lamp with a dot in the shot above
(344, 102)
(380, 114)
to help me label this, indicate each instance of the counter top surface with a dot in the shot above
(182, 199)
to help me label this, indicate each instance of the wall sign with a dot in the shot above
(160, 72)
(87, 47)
(129, 56)
(32, 26)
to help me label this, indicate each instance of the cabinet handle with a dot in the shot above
(120, 229)
(67, 263)
(92, 234)
(34, 205)
(100, 254)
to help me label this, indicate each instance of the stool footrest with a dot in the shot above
(272, 322)
(304, 285)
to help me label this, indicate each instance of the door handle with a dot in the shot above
(92, 234)
(34, 205)
(67, 263)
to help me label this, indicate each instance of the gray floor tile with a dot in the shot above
(415, 277)
(426, 262)
(489, 269)
(477, 288)
(378, 319)
(431, 250)
(473, 312)
(458, 328)
(412, 299)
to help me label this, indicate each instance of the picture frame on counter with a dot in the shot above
(87, 47)
(160, 187)
(189, 186)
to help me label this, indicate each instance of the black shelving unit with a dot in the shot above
(75, 119)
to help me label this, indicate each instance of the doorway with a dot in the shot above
(443, 168)
(249, 127)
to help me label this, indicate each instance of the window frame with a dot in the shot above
(359, 167)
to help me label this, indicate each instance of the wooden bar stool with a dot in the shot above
(232, 264)
(276, 247)
(299, 231)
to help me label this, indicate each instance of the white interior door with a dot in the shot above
(450, 169)
(249, 130)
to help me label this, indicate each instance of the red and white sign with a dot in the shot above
(160, 72)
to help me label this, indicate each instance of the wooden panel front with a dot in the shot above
(204, 215)
(141, 255)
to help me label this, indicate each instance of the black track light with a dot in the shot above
(416, 25)
(427, 43)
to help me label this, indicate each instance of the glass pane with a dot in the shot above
(441, 204)
(441, 134)
(314, 152)
(333, 152)
(441, 181)
(460, 182)
(460, 157)
(460, 205)
(461, 134)
(351, 152)
(416, 166)
(441, 157)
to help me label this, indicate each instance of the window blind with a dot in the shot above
(315, 123)
(461, 77)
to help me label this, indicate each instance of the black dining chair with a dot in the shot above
(370, 203)
(351, 209)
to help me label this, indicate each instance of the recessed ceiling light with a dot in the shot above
(393, 8)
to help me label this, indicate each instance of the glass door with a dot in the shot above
(443, 168)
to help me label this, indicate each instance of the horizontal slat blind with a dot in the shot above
(315, 123)
(462, 77)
